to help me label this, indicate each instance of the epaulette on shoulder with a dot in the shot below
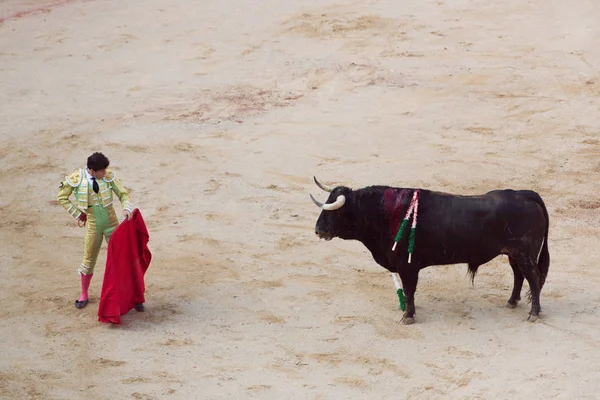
(75, 178)
(110, 175)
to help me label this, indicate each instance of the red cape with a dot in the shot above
(127, 260)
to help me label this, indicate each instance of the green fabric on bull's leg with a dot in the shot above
(402, 299)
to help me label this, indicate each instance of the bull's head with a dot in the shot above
(334, 220)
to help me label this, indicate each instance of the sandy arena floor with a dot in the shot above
(216, 115)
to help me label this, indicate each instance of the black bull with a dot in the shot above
(451, 229)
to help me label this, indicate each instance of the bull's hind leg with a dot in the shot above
(529, 270)
(517, 285)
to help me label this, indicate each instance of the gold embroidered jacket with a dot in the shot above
(77, 183)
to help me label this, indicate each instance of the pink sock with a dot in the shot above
(85, 284)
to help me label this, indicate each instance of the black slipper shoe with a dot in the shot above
(139, 307)
(80, 304)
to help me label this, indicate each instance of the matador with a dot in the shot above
(93, 189)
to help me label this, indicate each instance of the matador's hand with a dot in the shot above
(127, 214)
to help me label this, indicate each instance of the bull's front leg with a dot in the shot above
(409, 285)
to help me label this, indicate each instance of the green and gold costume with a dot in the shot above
(101, 216)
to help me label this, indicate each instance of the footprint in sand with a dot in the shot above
(108, 363)
(177, 342)
(212, 187)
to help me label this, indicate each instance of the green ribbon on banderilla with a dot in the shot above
(412, 211)
(399, 291)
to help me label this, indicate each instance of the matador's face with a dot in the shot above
(97, 174)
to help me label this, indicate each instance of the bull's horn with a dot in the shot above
(325, 188)
(320, 205)
(338, 203)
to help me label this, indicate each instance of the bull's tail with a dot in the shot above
(472, 271)
(544, 258)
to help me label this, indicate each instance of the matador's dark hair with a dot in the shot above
(97, 161)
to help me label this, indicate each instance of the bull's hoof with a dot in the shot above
(532, 318)
(407, 320)
(511, 305)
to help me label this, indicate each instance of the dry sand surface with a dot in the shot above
(216, 114)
